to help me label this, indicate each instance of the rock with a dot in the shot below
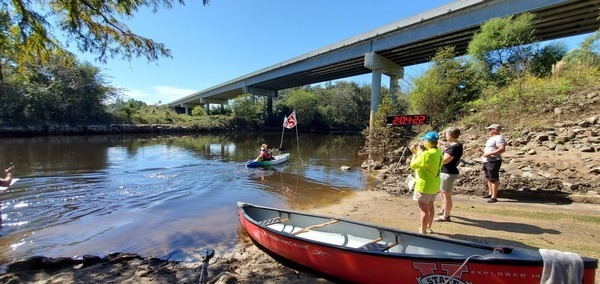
(560, 148)
(531, 175)
(226, 278)
(584, 124)
(550, 145)
(345, 168)
(89, 260)
(557, 111)
(371, 165)
(588, 149)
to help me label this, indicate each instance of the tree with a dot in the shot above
(344, 104)
(247, 108)
(199, 111)
(444, 89)
(503, 46)
(306, 103)
(541, 62)
(66, 90)
(94, 26)
(587, 54)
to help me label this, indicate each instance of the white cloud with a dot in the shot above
(155, 94)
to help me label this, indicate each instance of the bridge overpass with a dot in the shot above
(388, 49)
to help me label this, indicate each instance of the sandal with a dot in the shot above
(442, 219)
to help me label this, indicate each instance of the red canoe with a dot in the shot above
(364, 253)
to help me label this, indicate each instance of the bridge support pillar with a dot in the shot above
(270, 94)
(379, 65)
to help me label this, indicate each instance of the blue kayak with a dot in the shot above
(276, 160)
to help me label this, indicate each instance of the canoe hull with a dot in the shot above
(279, 159)
(364, 266)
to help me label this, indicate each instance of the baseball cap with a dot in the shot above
(430, 136)
(494, 126)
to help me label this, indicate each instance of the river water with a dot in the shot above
(162, 196)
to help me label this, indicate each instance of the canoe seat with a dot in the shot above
(272, 221)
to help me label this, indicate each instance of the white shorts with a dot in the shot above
(424, 197)
(447, 182)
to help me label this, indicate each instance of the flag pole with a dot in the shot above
(298, 140)
(282, 131)
(298, 143)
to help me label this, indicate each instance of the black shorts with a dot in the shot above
(491, 170)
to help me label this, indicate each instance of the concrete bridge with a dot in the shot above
(388, 49)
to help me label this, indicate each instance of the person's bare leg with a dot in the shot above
(443, 199)
(494, 188)
(424, 215)
(447, 198)
(431, 213)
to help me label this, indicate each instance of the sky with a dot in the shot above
(230, 38)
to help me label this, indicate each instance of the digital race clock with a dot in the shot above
(408, 119)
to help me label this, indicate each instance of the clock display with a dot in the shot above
(408, 119)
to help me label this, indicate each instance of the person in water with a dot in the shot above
(266, 154)
(6, 181)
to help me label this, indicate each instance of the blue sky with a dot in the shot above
(231, 38)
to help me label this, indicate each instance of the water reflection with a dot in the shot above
(301, 192)
(163, 196)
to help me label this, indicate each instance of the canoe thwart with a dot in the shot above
(315, 226)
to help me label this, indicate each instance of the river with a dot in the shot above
(163, 196)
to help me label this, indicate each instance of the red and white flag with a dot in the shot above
(290, 121)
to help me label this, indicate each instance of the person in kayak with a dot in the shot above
(266, 154)
(5, 182)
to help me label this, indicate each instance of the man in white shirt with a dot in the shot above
(492, 160)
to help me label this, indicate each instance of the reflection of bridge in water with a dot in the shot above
(388, 49)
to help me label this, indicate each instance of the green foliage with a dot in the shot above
(503, 46)
(305, 103)
(12, 102)
(445, 89)
(94, 26)
(344, 105)
(198, 111)
(340, 105)
(536, 97)
(60, 90)
(248, 109)
(587, 55)
(541, 63)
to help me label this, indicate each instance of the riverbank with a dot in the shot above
(96, 129)
(570, 227)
